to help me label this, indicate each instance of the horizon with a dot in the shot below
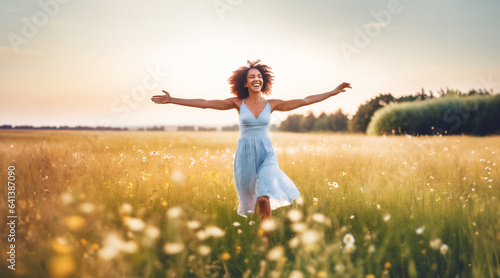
(69, 63)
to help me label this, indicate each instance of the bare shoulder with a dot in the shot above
(274, 102)
(236, 101)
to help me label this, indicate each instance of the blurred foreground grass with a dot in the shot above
(160, 204)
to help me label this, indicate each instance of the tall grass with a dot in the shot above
(161, 204)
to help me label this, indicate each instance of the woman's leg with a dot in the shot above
(264, 207)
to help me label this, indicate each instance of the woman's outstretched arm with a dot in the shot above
(287, 105)
(225, 104)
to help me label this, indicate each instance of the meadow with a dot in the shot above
(163, 204)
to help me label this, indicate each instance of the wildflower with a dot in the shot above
(370, 276)
(86, 207)
(309, 239)
(61, 245)
(135, 224)
(318, 217)
(294, 242)
(193, 224)
(172, 248)
(66, 198)
(174, 213)
(129, 247)
(371, 249)
(236, 224)
(387, 265)
(276, 253)
(294, 215)
(340, 268)
(226, 256)
(214, 231)
(111, 247)
(152, 232)
(387, 217)
(202, 235)
(349, 248)
(61, 266)
(296, 274)
(420, 230)
(74, 222)
(348, 238)
(268, 225)
(444, 249)
(125, 209)
(315, 201)
(436, 243)
(322, 274)
(299, 227)
(204, 250)
(299, 201)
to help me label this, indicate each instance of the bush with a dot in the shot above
(475, 115)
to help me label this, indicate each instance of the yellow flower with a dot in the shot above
(61, 266)
(315, 201)
(226, 256)
(74, 222)
(387, 265)
(370, 276)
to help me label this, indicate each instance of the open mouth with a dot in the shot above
(256, 85)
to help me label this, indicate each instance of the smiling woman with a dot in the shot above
(259, 180)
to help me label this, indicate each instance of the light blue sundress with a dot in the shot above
(256, 170)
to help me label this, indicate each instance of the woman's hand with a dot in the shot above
(162, 99)
(341, 88)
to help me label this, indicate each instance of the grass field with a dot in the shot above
(163, 204)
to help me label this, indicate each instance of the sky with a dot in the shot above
(75, 62)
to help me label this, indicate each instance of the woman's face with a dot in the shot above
(254, 81)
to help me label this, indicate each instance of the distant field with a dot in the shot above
(163, 204)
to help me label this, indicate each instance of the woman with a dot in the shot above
(258, 179)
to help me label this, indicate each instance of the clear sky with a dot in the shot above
(90, 62)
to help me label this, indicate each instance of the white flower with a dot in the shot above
(436, 243)
(193, 224)
(86, 207)
(294, 215)
(174, 213)
(294, 242)
(214, 231)
(236, 224)
(111, 247)
(135, 224)
(152, 232)
(268, 225)
(309, 239)
(444, 248)
(202, 235)
(296, 274)
(348, 239)
(420, 230)
(66, 198)
(318, 217)
(125, 209)
(276, 253)
(204, 250)
(299, 227)
(387, 217)
(129, 247)
(172, 248)
(349, 248)
(371, 249)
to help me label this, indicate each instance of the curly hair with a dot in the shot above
(239, 77)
